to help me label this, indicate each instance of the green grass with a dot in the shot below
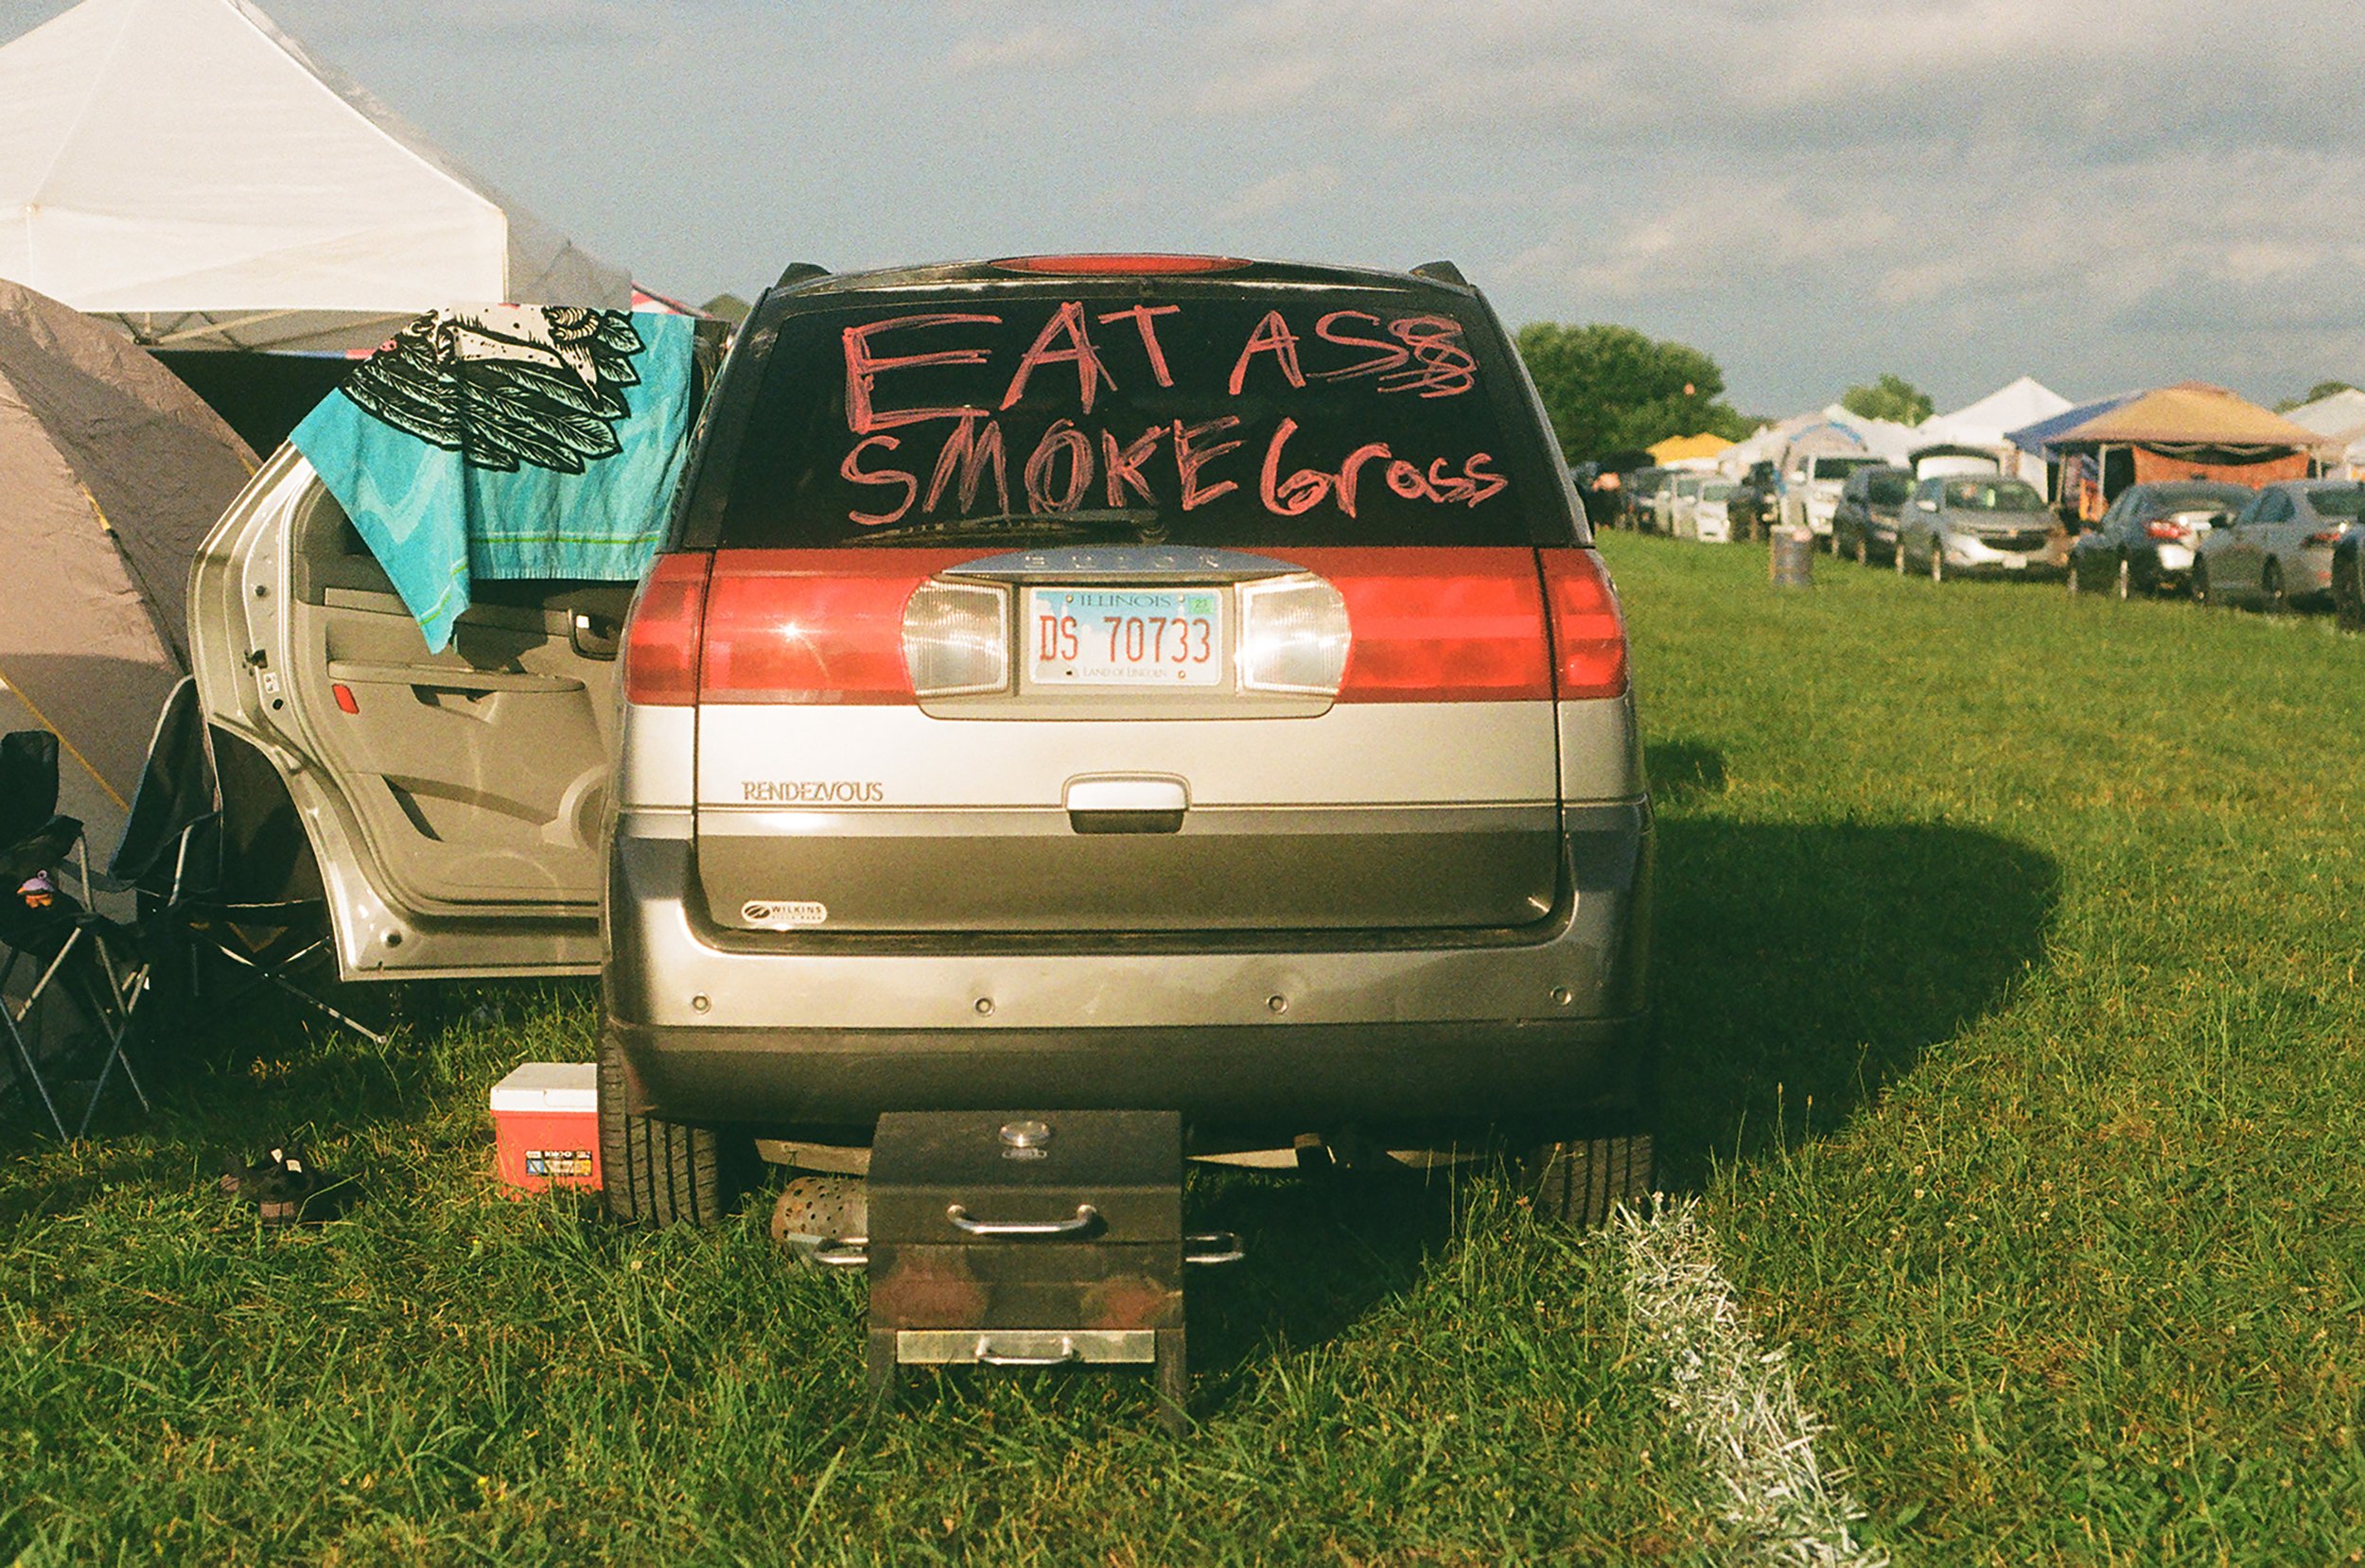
(2006, 977)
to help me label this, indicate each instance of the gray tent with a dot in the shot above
(110, 474)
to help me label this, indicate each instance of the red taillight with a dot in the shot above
(1439, 625)
(1589, 629)
(2324, 536)
(2161, 528)
(1117, 265)
(811, 625)
(661, 633)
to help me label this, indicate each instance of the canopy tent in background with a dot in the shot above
(1697, 452)
(185, 169)
(1831, 429)
(2339, 420)
(1988, 422)
(112, 472)
(2189, 431)
(2033, 437)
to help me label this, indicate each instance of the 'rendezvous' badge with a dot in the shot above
(783, 913)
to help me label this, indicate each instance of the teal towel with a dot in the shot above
(508, 442)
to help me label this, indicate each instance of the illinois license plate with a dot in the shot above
(1124, 636)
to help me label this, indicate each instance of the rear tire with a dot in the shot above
(1582, 1182)
(2271, 598)
(655, 1172)
(2200, 582)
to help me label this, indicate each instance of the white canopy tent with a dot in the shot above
(1984, 424)
(1831, 429)
(184, 170)
(2340, 420)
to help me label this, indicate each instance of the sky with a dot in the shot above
(2104, 197)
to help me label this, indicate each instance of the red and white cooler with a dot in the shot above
(547, 1118)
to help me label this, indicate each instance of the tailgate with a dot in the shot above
(1127, 739)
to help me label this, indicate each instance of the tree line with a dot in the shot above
(1610, 389)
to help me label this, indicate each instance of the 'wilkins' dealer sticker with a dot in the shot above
(783, 913)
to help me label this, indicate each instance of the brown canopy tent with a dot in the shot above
(110, 474)
(2189, 431)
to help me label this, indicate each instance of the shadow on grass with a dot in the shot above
(1800, 968)
(1684, 770)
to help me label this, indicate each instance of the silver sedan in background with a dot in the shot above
(1962, 526)
(2277, 551)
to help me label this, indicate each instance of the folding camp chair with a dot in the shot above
(73, 951)
(195, 917)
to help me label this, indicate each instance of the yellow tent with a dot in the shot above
(1680, 448)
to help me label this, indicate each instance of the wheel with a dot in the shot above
(2271, 595)
(2200, 582)
(2124, 587)
(655, 1172)
(2349, 606)
(1937, 559)
(1582, 1182)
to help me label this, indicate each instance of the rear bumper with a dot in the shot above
(1248, 1029)
(1284, 1079)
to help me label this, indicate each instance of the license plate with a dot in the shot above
(1124, 636)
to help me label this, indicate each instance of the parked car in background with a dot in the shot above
(1711, 520)
(2277, 552)
(1682, 502)
(1810, 486)
(1976, 527)
(1755, 501)
(2143, 544)
(1864, 524)
(1647, 495)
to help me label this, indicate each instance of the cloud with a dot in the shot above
(1042, 46)
(1280, 192)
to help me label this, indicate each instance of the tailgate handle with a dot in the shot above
(1137, 803)
(1087, 1218)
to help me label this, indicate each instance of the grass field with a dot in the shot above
(2006, 976)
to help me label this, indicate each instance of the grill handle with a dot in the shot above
(1087, 1219)
(1215, 1247)
(988, 1356)
(837, 1253)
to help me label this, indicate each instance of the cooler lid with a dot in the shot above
(548, 1087)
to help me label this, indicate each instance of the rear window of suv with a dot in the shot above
(1186, 414)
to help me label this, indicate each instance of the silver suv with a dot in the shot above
(1145, 682)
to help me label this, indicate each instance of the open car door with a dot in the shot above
(454, 801)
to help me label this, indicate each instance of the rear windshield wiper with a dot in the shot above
(1145, 527)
